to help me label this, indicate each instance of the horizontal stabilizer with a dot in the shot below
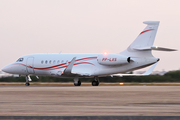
(142, 48)
(151, 22)
(148, 72)
(162, 49)
(154, 48)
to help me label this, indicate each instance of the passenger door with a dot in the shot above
(30, 65)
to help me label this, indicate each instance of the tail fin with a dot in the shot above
(147, 36)
(144, 40)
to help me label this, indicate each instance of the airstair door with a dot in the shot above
(30, 65)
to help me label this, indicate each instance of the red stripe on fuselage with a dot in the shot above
(51, 66)
(60, 65)
(86, 58)
(74, 64)
(19, 64)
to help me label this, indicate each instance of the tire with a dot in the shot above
(95, 83)
(77, 84)
(27, 84)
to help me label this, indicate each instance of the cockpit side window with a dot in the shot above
(20, 60)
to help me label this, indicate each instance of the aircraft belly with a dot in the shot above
(42, 72)
(84, 69)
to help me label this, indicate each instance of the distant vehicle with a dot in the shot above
(138, 55)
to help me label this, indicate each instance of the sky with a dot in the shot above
(86, 26)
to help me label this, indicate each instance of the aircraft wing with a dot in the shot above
(68, 69)
(148, 72)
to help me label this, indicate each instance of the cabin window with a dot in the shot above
(42, 62)
(46, 61)
(58, 62)
(50, 62)
(62, 61)
(54, 62)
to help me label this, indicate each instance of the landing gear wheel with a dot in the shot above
(27, 80)
(95, 83)
(27, 84)
(77, 84)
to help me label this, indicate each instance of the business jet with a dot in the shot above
(138, 55)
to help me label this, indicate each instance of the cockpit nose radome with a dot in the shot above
(6, 69)
(9, 68)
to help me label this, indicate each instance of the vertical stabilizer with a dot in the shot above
(144, 40)
(147, 36)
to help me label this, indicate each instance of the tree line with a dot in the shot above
(172, 76)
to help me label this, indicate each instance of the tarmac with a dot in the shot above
(89, 100)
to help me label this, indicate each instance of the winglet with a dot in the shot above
(149, 71)
(69, 67)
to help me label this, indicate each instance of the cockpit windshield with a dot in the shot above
(20, 60)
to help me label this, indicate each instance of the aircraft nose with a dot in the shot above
(6, 69)
(11, 68)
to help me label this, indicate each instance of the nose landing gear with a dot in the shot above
(27, 80)
(27, 84)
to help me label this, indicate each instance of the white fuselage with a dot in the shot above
(85, 64)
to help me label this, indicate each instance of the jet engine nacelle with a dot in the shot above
(113, 59)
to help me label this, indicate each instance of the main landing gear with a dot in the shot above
(77, 82)
(95, 82)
